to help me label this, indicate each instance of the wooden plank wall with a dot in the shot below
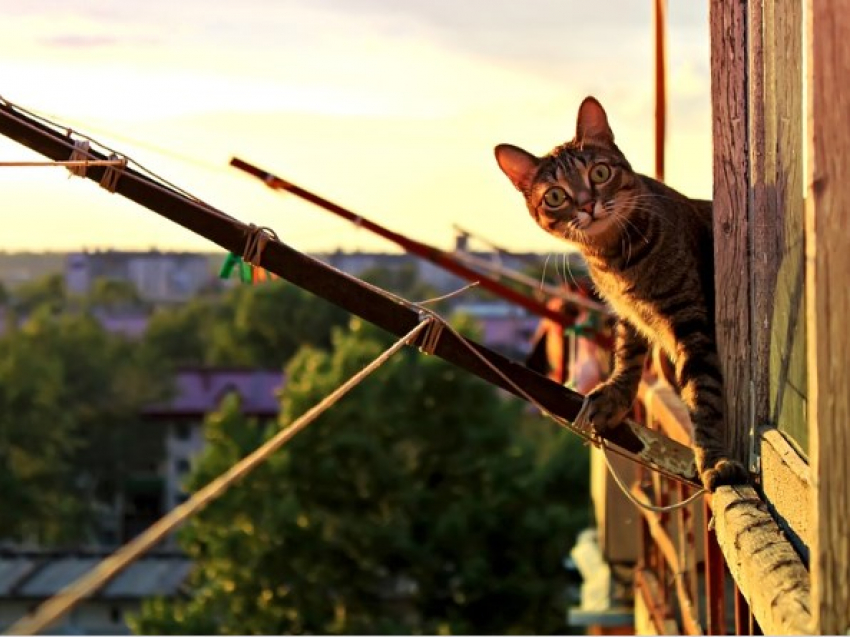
(777, 260)
(828, 307)
(778, 235)
(757, 93)
(783, 264)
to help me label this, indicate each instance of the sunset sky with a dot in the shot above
(391, 108)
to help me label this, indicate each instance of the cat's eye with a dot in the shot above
(555, 197)
(600, 173)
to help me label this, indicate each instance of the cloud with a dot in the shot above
(79, 41)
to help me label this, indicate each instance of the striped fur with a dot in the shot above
(650, 253)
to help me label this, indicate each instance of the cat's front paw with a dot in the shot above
(604, 408)
(724, 472)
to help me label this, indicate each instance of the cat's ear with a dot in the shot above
(518, 165)
(592, 123)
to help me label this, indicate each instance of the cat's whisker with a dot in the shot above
(543, 274)
(652, 196)
(632, 224)
(569, 269)
(623, 219)
(651, 212)
(561, 277)
(623, 237)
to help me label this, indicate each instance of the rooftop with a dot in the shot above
(200, 390)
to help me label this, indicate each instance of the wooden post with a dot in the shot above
(828, 309)
(715, 580)
(731, 227)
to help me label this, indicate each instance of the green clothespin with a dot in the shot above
(233, 261)
(588, 328)
(230, 262)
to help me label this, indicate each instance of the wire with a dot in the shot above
(638, 503)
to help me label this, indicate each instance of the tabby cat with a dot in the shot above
(650, 254)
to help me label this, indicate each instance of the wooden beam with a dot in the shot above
(776, 217)
(665, 410)
(376, 306)
(731, 239)
(828, 308)
(762, 561)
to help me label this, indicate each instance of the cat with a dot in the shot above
(650, 253)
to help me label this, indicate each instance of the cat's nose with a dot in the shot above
(586, 206)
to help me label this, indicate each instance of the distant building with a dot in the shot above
(28, 578)
(505, 328)
(159, 277)
(131, 324)
(198, 392)
(356, 263)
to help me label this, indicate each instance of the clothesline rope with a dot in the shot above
(65, 600)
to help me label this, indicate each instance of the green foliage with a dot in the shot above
(270, 322)
(70, 398)
(262, 325)
(415, 505)
(114, 294)
(46, 292)
(180, 335)
(403, 281)
(71, 394)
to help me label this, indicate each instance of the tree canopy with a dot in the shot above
(260, 326)
(72, 393)
(415, 505)
(70, 401)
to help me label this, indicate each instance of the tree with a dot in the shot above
(270, 322)
(114, 294)
(181, 335)
(36, 446)
(48, 291)
(414, 505)
(70, 401)
(261, 325)
(403, 281)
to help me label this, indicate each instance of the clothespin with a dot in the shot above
(581, 329)
(261, 274)
(235, 261)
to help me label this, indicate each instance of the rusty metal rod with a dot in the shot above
(436, 256)
(690, 615)
(660, 23)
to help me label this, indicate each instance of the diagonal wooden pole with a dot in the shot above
(645, 446)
